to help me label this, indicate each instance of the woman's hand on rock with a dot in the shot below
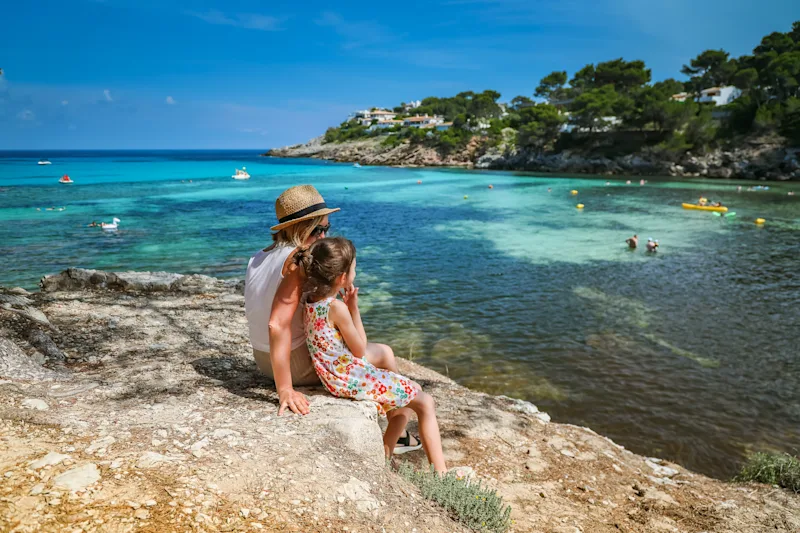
(295, 401)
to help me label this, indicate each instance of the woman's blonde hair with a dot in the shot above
(297, 234)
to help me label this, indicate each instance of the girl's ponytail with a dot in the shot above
(303, 259)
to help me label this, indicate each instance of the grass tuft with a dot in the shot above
(773, 468)
(478, 508)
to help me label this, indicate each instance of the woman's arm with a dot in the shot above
(342, 320)
(287, 298)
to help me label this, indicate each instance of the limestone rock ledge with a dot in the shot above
(157, 420)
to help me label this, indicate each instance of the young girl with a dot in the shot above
(337, 344)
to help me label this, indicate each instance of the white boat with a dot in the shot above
(45, 162)
(241, 174)
(114, 224)
(357, 165)
(65, 179)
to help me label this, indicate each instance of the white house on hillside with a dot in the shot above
(384, 124)
(719, 95)
(413, 104)
(422, 121)
(713, 95)
(365, 116)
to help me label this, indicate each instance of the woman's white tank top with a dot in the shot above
(264, 275)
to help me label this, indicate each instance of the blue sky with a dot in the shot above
(248, 74)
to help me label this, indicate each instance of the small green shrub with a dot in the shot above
(773, 468)
(477, 507)
(391, 141)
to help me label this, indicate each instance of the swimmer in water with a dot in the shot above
(549, 189)
(632, 242)
(652, 246)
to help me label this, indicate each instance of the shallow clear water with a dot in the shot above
(690, 354)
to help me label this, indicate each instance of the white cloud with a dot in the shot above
(26, 114)
(107, 95)
(170, 100)
(251, 21)
(64, 102)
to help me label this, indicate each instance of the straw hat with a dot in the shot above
(299, 203)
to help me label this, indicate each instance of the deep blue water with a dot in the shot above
(690, 354)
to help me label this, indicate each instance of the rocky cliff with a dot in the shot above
(131, 402)
(755, 159)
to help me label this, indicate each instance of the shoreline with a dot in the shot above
(151, 392)
(759, 160)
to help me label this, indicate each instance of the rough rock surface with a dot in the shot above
(164, 424)
(755, 159)
(372, 152)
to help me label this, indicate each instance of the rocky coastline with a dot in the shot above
(131, 402)
(755, 159)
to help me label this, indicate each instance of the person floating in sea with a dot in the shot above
(652, 246)
(549, 189)
(94, 224)
(632, 242)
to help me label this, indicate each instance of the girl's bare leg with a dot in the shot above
(382, 356)
(398, 419)
(425, 408)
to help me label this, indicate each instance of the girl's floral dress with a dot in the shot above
(345, 375)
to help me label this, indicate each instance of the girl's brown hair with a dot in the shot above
(323, 262)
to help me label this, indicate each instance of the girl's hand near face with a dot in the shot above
(350, 298)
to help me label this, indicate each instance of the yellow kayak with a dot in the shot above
(722, 209)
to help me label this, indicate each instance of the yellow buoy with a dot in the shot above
(579, 206)
(573, 192)
(465, 197)
(760, 221)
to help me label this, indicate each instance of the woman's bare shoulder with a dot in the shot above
(288, 266)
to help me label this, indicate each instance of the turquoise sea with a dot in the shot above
(690, 354)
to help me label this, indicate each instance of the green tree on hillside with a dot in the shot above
(540, 126)
(520, 102)
(551, 85)
(589, 108)
(623, 75)
(711, 68)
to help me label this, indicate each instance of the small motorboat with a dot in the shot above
(45, 162)
(357, 165)
(720, 209)
(65, 179)
(241, 174)
(114, 224)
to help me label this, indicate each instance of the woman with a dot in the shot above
(273, 288)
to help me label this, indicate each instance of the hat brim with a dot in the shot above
(319, 213)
